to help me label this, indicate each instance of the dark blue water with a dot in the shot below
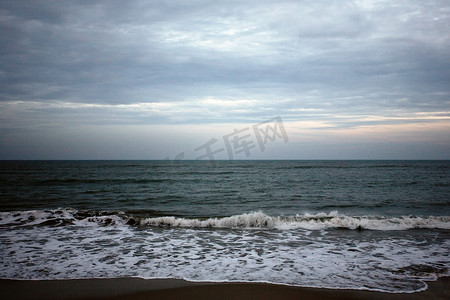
(377, 225)
(197, 189)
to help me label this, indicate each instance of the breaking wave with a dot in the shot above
(332, 220)
(306, 221)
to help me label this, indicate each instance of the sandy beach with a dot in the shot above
(135, 288)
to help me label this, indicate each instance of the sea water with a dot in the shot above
(373, 225)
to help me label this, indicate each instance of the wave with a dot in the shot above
(320, 221)
(307, 221)
(61, 217)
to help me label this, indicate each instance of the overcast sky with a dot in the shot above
(153, 79)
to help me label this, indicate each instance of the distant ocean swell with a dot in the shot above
(319, 221)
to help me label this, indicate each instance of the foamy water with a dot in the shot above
(300, 250)
(373, 225)
(248, 220)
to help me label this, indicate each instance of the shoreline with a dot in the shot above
(137, 288)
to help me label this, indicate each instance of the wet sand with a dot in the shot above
(134, 288)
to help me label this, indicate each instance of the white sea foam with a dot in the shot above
(306, 221)
(35, 217)
(374, 260)
(319, 221)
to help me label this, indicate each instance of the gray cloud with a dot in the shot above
(181, 62)
(107, 51)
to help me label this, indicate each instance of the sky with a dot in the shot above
(173, 79)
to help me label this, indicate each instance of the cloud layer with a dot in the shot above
(343, 64)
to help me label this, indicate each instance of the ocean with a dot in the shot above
(372, 225)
